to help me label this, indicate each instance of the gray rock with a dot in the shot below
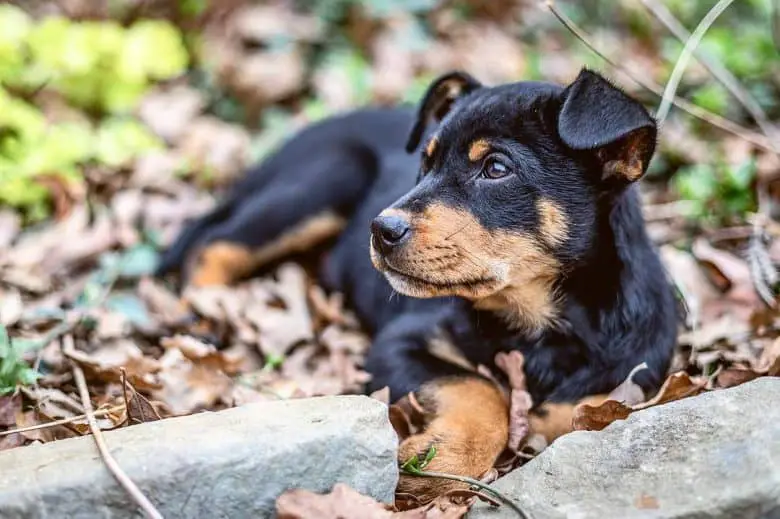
(233, 463)
(712, 456)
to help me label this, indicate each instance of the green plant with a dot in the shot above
(99, 66)
(717, 192)
(14, 371)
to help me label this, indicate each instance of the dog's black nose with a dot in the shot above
(389, 231)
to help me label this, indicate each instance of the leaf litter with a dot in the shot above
(149, 353)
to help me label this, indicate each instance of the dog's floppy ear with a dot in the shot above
(598, 116)
(438, 100)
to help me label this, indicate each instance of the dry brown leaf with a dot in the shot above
(220, 148)
(188, 386)
(104, 364)
(53, 404)
(769, 361)
(341, 503)
(200, 353)
(11, 307)
(10, 225)
(138, 408)
(731, 377)
(9, 406)
(520, 401)
(383, 395)
(629, 392)
(595, 418)
(675, 387)
(281, 328)
(167, 308)
(345, 503)
(169, 112)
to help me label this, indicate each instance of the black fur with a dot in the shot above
(617, 309)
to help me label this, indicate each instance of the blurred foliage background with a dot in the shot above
(122, 119)
(91, 87)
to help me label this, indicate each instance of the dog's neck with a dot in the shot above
(529, 306)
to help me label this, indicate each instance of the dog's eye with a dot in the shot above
(494, 169)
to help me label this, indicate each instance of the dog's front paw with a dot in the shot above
(467, 429)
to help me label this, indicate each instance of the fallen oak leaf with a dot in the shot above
(204, 354)
(595, 418)
(138, 408)
(341, 503)
(520, 402)
(731, 377)
(678, 385)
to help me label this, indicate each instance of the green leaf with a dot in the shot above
(121, 140)
(129, 305)
(741, 177)
(697, 182)
(138, 261)
(428, 457)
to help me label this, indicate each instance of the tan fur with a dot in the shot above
(467, 420)
(552, 419)
(224, 263)
(630, 165)
(430, 148)
(450, 253)
(478, 149)
(554, 226)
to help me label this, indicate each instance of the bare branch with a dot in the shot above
(97, 434)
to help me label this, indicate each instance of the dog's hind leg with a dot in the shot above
(294, 211)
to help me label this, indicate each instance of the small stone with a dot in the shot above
(232, 463)
(713, 456)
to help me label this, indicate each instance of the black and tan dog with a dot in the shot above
(519, 229)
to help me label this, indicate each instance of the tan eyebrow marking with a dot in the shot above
(554, 224)
(478, 149)
(430, 148)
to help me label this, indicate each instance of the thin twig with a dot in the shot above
(685, 57)
(474, 483)
(718, 71)
(64, 421)
(97, 434)
(695, 111)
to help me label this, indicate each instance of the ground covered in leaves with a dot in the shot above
(106, 151)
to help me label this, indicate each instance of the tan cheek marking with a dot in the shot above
(430, 149)
(224, 263)
(527, 273)
(478, 149)
(554, 226)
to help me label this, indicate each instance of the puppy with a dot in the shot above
(517, 227)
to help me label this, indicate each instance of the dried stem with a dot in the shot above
(718, 71)
(97, 434)
(685, 57)
(695, 111)
(474, 483)
(64, 421)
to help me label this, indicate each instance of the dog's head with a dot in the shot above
(511, 185)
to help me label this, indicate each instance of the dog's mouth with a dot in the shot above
(416, 285)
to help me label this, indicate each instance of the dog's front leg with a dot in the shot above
(467, 422)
